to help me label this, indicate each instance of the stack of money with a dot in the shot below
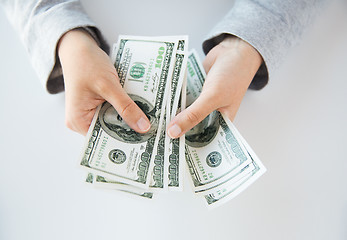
(162, 78)
(220, 161)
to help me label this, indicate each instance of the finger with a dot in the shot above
(126, 107)
(191, 116)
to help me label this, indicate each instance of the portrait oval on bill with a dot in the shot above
(204, 132)
(114, 125)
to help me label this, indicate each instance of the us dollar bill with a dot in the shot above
(113, 150)
(232, 180)
(213, 152)
(176, 151)
(157, 180)
(228, 190)
(102, 182)
(174, 148)
(225, 188)
(159, 173)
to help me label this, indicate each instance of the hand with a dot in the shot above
(90, 79)
(230, 68)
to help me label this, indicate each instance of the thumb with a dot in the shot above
(126, 107)
(191, 116)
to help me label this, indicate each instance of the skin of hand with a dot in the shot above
(90, 78)
(230, 67)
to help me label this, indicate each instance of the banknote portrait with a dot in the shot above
(115, 126)
(204, 132)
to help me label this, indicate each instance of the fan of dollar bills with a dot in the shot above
(162, 78)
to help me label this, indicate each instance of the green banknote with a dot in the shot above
(175, 151)
(157, 180)
(159, 173)
(102, 182)
(174, 148)
(228, 190)
(213, 151)
(235, 178)
(113, 150)
(162, 79)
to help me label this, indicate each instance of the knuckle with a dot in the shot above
(193, 117)
(128, 107)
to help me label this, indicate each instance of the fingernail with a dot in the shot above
(174, 131)
(143, 124)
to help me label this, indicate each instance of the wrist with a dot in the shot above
(74, 40)
(246, 51)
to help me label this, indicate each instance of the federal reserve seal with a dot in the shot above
(117, 156)
(214, 159)
(137, 70)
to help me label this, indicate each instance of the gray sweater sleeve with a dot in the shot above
(40, 24)
(272, 27)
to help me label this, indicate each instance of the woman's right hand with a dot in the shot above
(90, 79)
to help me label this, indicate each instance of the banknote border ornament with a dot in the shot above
(91, 143)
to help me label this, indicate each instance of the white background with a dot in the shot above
(297, 126)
